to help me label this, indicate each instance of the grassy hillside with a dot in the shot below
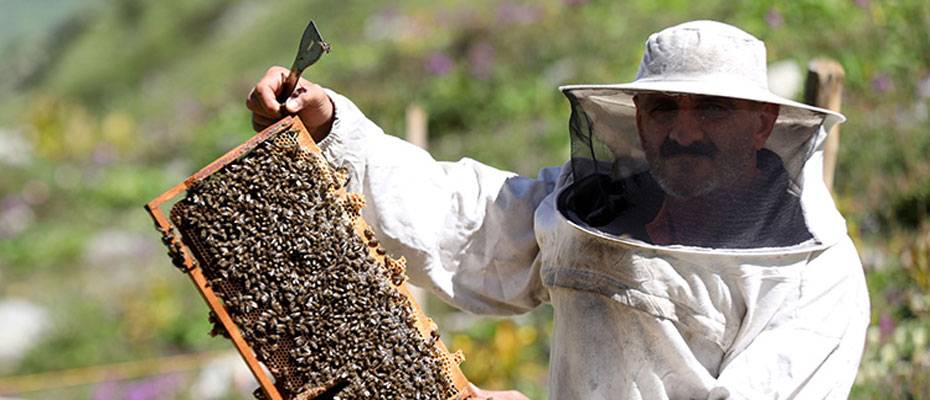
(115, 101)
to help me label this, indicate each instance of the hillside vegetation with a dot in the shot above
(120, 100)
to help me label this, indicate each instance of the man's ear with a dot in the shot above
(767, 115)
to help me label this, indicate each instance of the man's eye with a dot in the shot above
(714, 111)
(663, 111)
(663, 116)
(714, 105)
(663, 106)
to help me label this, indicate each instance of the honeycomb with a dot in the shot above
(305, 282)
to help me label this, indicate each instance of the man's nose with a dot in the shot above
(686, 128)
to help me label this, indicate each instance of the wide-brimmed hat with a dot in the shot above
(705, 58)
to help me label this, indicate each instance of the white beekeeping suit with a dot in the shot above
(758, 294)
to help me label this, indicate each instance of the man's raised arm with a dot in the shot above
(465, 228)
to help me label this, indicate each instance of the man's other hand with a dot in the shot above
(309, 102)
(496, 395)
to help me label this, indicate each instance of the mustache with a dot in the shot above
(671, 148)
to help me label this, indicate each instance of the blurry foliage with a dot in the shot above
(128, 97)
(896, 363)
(910, 208)
(505, 355)
(918, 260)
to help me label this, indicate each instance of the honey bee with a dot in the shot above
(279, 249)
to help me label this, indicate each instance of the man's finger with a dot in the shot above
(258, 104)
(311, 103)
(299, 100)
(307, 95)
(264, 96)
(266, 99)
(256, 126)
(255, 104)
(480, 394)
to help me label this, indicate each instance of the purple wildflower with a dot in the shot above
(774, 18)
(439, 64)
(15, 216)
(923, 87)
(882, 83)
(481, 60)
(35, 192)
(103, 154)
(511, 13)
(108, 390)
(886, 326)
(162, 387)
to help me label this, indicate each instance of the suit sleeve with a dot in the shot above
(465, 228)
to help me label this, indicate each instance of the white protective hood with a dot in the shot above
(606, 143)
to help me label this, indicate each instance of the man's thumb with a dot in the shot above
(293, 104)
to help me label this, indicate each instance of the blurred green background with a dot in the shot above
(107, 103)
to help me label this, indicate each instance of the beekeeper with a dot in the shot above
(689, 248)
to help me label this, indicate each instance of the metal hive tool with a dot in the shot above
(297, 306)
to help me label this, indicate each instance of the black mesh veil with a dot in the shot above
(637, 185)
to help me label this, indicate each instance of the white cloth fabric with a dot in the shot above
(632, 321)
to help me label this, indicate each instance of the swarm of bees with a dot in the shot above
(277, 241)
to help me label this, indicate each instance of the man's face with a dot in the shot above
(698, 144)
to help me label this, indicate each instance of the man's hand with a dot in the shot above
(496, 395)
(309, 102)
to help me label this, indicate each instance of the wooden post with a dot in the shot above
(417, 131)
(824, 88)
(418, 134)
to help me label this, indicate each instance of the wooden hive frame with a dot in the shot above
(189, 261)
